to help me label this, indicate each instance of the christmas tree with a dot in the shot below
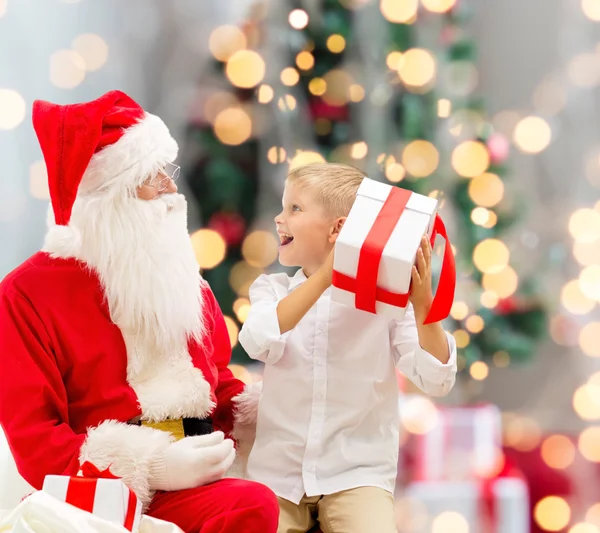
(388, 87)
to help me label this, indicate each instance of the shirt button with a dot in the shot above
(316, 433)
(319, 362)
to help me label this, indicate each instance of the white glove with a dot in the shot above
(192, 462)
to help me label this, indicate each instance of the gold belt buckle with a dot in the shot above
(175, 427)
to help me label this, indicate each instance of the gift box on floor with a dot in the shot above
(499, 505)
(464, 442)
(377, 247)
(99, 493)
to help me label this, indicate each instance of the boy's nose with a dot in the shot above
(277, 219)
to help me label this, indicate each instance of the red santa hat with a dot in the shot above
(109, 145)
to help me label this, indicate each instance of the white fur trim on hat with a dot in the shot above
(142, 150)
(62, 241)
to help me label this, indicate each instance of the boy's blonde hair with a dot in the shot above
(333, 184)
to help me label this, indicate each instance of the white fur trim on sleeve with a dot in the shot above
(128, 451)
(244, 426)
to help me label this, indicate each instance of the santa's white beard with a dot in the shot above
(143, 255)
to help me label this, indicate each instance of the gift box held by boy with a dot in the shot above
(328, 424)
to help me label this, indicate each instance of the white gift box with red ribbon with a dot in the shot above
(462, 443)
(99, 493)
(377, 248)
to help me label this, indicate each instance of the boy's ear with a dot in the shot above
(336, 228)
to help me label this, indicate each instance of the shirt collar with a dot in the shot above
(297, 279)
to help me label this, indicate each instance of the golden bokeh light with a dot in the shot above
(276, 155)
(558, 452)
(419, 415)
(359, 150)
(462, 338)
(470, 159)
(289, 76)
(486, 190)
(67, 69)
(241, 308)
(420, 158)
(393, 59)
(593, 514)
(337, 92)
(584, 225)
(589, 339)
(336, 43)
(586, 402)
(480, 216)
(395, 172)
(573, 299)
(418, 67)
(582, 527)
(233, 126)
(479, 370)
(209, 247)
(475, 324)
(217, 102)
(591, 9)
(589, 281)
(260, 249)
(357, 92)
(265, 94)
(587, 253)
(12, 109)
(232, 329)
(491, 255)
(503, 283)
(298, 19)
(459, 310)
(532, 135)
(450, 521)
(305, 60)
(304, 158)
(583, 70)
(241, 276)
(438, 6)
(522, 433)
(399, 11)
(491, 220)
(317, 86)
(589, 444)
(287, 103)
(489, 299)
(444, 108)
(38, 181)
(224, 41)
(93, 49)
(501, 359)
(552, 513)
(245, 69)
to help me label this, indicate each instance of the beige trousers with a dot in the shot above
(360, 510)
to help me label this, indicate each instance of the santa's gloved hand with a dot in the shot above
(192, 462)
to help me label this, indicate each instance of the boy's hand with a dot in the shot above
(421, 294)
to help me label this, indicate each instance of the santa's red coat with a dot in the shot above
(64, 393)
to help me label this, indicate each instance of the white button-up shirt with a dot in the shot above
(328, 417)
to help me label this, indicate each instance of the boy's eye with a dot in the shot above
(295, 208)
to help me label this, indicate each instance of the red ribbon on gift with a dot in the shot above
(82, 491)
(364, 286)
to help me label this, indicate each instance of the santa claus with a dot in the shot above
(113, 349)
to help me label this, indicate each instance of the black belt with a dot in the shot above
(191, 426)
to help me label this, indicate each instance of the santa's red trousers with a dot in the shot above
(228, 506)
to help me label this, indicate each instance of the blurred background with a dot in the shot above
(491, 107)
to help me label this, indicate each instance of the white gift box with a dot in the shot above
(463, 442)
(377, 247)
(505, 509)
(106, 498)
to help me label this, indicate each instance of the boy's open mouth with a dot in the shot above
(285, 239)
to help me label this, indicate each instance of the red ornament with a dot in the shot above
(231, 226)
(498, 147)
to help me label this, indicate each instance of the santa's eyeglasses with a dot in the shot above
(169, 172)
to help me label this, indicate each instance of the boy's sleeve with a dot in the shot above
(426, 371)
(260, 335)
